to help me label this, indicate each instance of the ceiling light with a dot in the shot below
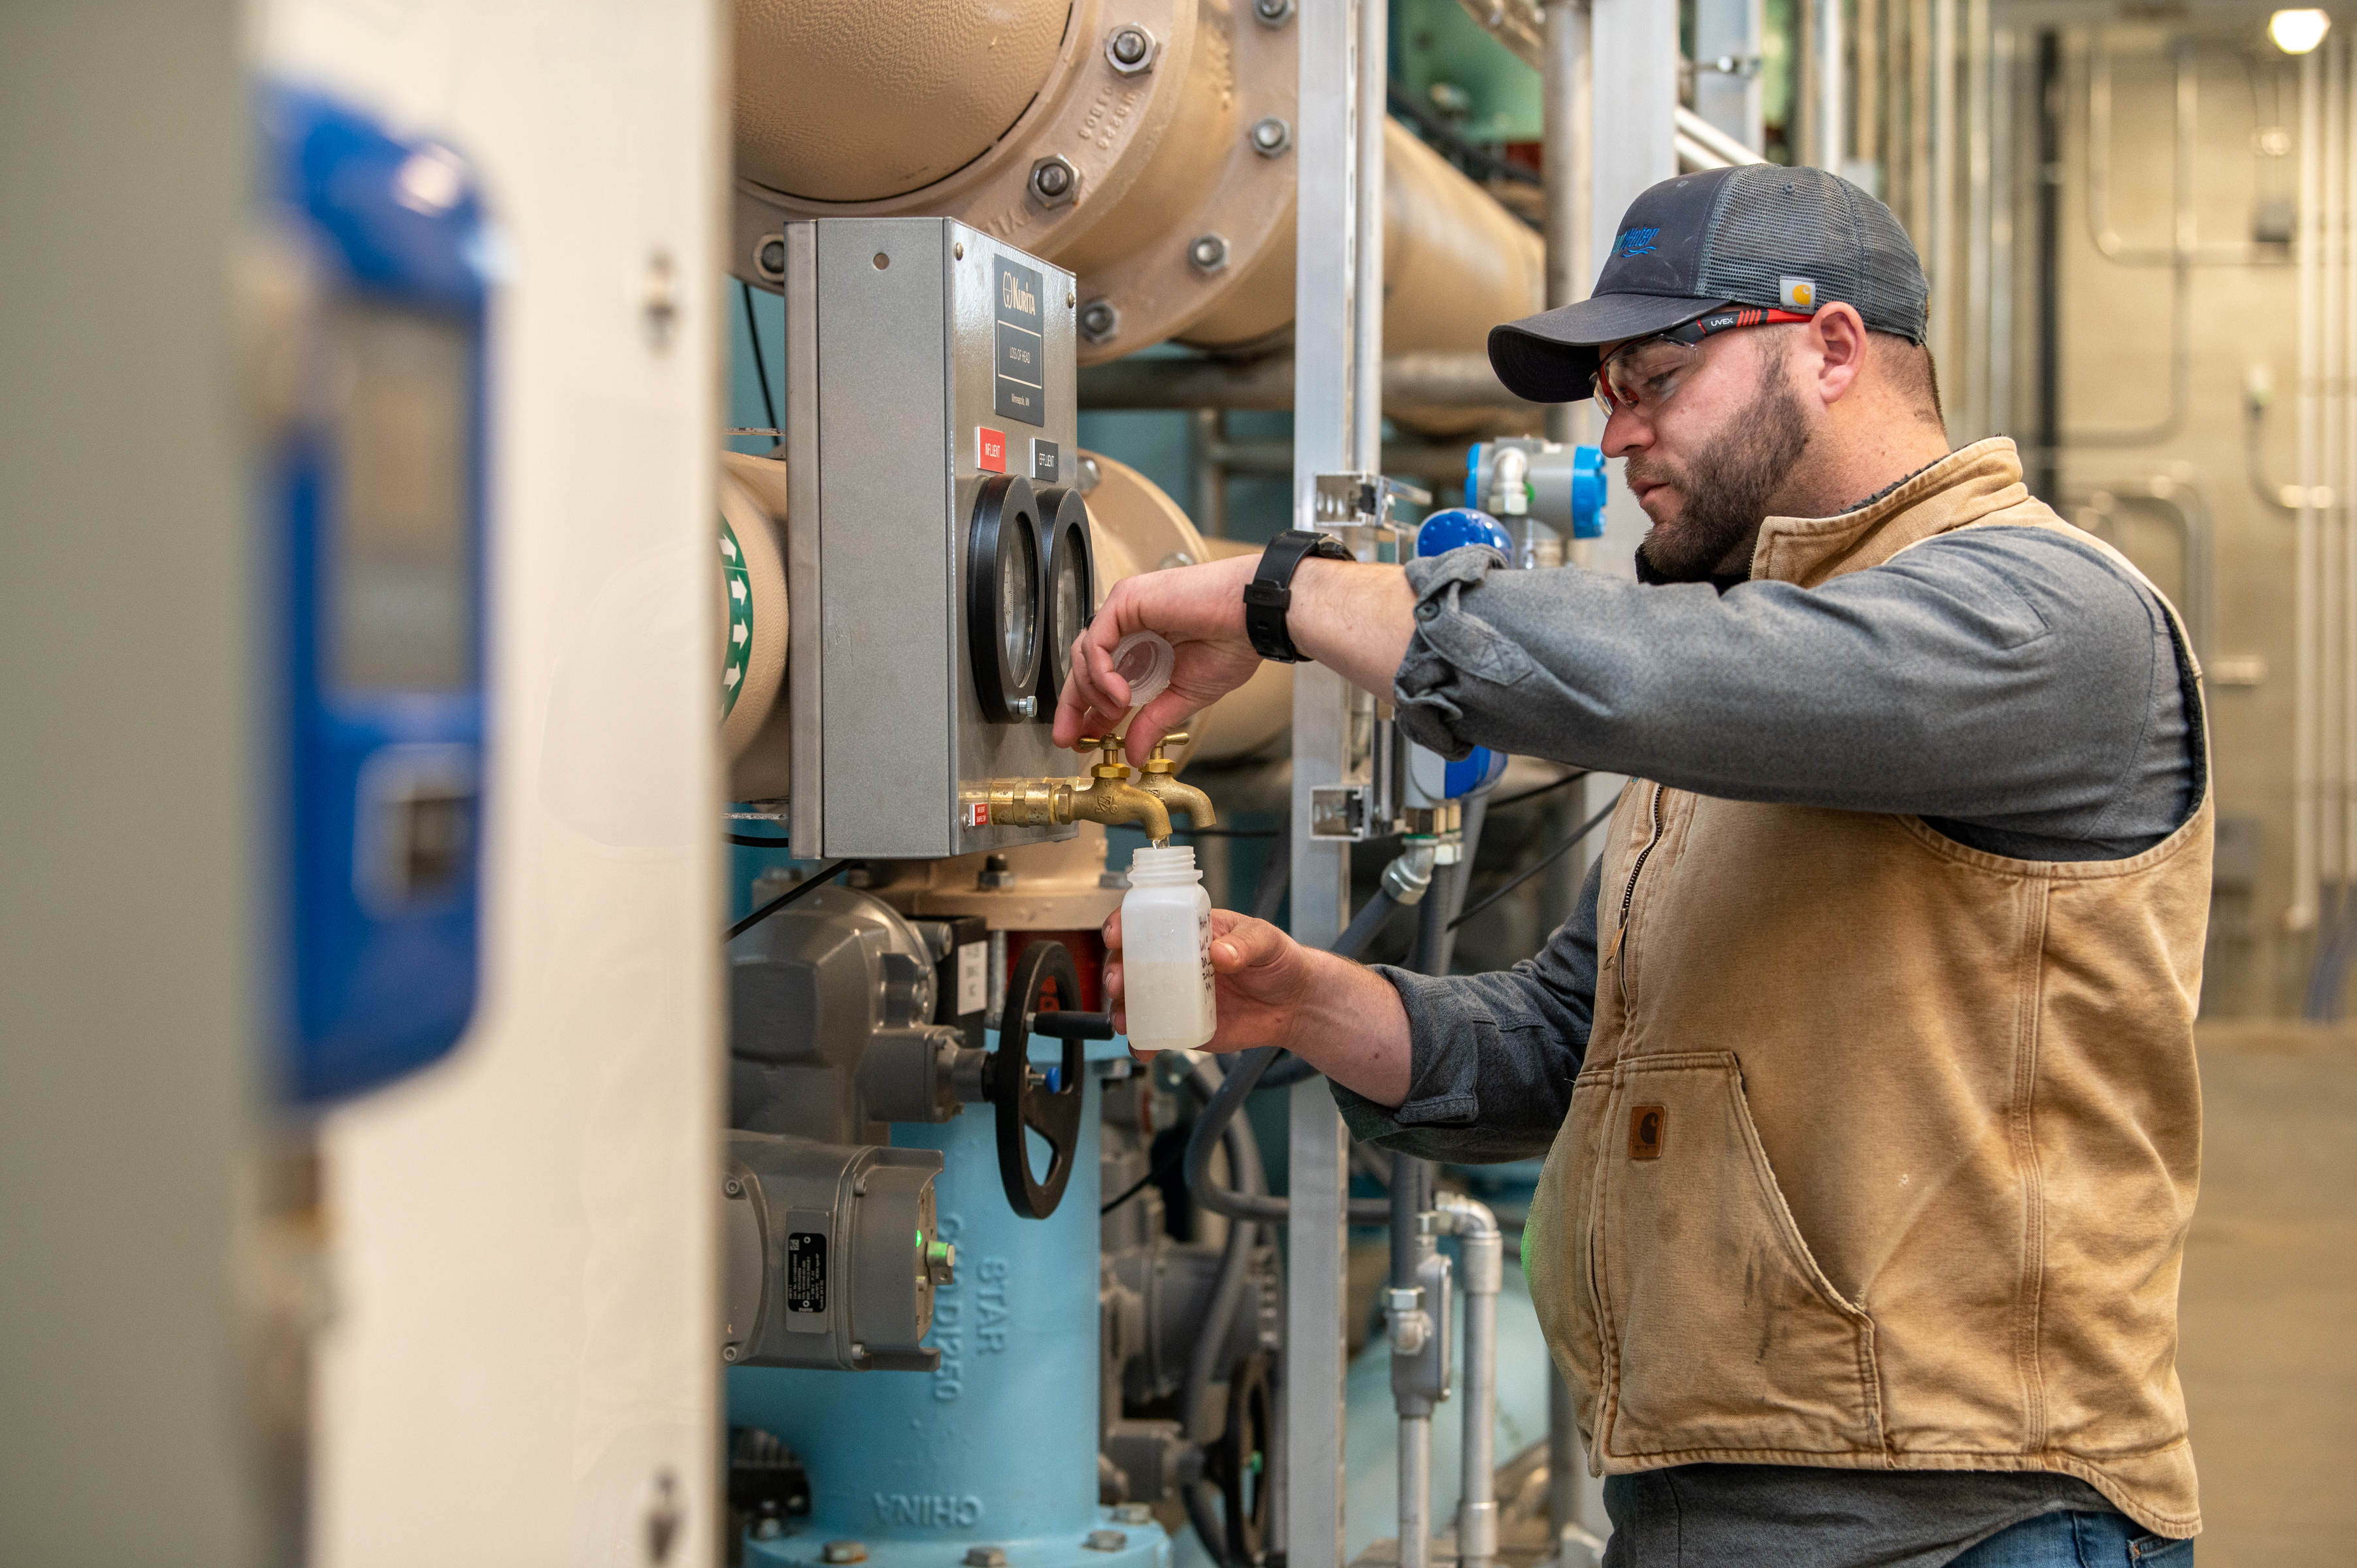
(2297, 32)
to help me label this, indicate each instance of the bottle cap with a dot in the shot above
(1143, 659)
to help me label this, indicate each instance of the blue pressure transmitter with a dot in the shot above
(1523, 481)
(375, 498)
(1432, 779)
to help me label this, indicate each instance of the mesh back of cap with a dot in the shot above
(1772, 223)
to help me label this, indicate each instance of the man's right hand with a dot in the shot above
(1341, 1017)
(1200, 611)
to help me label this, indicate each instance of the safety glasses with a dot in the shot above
(1644, 374)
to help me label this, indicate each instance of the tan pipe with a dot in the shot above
(1176, 225)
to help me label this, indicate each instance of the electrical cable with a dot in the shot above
(1212, 1125)
(811, 884)
(761, 364)
(1549, 858)
(1370, 919)
(1226, 833)
(1276, 875)
(1162, 1167)
(1548, 789)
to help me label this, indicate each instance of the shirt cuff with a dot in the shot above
(1452, 646)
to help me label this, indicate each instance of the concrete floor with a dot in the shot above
(2268, 1313)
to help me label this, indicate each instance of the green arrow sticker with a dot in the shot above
(740, 618)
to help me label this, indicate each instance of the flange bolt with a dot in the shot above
(1054, 180)
(1272, 12)
(1100, 321)
(1271, 135)
(985, 1557)
(1130, 49)
(844, 1551)
(1209, 252)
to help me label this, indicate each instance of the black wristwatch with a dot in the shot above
(1270, 593)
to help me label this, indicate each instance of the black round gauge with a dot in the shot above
(1069, 596)
(1002, 600)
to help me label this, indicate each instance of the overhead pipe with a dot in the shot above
(1168, 182)
(1411, 382)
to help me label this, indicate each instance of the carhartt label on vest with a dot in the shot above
(1646, 1125)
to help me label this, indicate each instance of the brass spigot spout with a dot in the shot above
(1106, 796)
(1159, 779)
(1117, 800)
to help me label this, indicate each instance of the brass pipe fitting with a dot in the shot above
(1159, 779)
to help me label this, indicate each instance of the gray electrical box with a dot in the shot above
(938, 562)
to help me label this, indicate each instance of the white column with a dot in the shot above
(523, 1368)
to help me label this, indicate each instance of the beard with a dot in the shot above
(1725, 489)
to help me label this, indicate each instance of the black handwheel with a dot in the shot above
(1238, 1459)
(1026, 1098)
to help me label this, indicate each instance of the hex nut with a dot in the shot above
(769, 257)
(1131, 50)
(1208, 254)
(1272, 12)
(1271, 135)
(844, 1551)
(1054, 180)
(1106, 1541)
(1100, 321)
(985, 1557)
(1133, 1513)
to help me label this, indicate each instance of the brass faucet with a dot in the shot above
(1106, 796)
(1159, 779)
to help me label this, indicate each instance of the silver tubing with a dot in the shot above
(1564, 115)
(1415, 1491)
(1481, 1252)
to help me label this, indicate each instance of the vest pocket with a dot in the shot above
(1719, 1331)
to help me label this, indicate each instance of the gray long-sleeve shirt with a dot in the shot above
(2013, 686)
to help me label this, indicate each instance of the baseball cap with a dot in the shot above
(1757, 235)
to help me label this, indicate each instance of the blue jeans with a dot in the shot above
(2077, 1541)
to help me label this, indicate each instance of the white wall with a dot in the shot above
(525, 1237)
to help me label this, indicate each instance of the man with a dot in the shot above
(1865, 1067)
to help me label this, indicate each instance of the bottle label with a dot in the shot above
(1203, 949)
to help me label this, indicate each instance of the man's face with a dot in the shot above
(1707, 463)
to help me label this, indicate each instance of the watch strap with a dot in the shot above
(1269, 596)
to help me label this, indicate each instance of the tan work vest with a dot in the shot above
(1884, 1149)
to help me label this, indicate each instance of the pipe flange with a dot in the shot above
(1054, 180)
(1208, 254)
(1271, 135)
(1100, 321)
(1131, 49)
(1272, 12)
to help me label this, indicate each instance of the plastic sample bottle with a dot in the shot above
(1166, 951)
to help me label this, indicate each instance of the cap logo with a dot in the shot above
(1798, 294)
(1639, 242)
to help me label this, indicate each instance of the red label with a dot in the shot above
(978, 814)
(991, 449)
